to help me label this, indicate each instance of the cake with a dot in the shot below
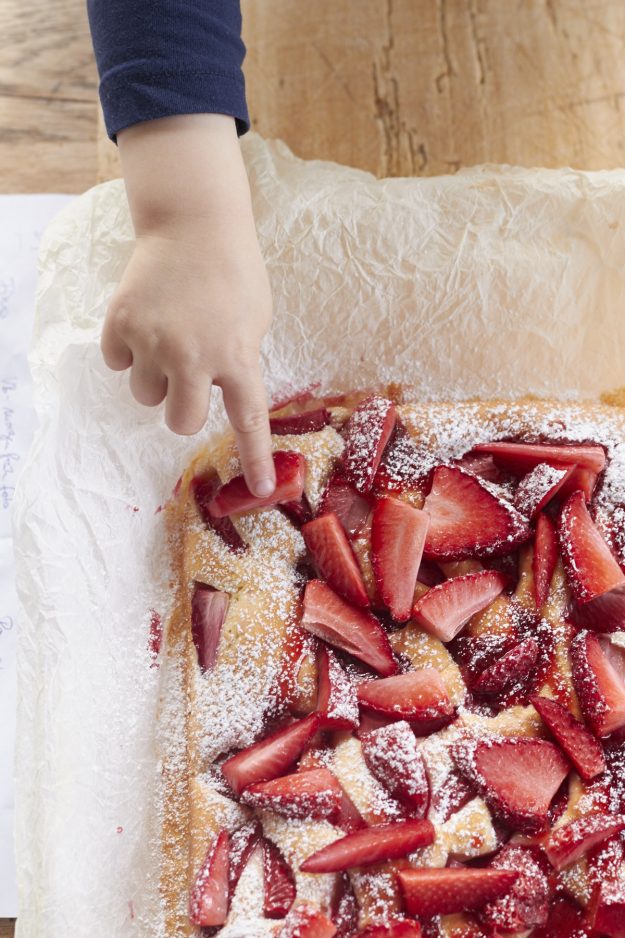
(394, 691)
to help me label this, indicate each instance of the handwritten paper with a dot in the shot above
(23, 219)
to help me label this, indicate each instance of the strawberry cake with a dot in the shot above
(394, 691)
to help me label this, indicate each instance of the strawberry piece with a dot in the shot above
(270, 757)
(394, 928)
(607, 909)
(305, 922)
(599, 686)
(351, 508)
(367, 432)
(393, 757)
(401, 466)
(605, 613)
(481, 465)
(334, 558)
(592, 569)
(467, 520)
(243, 842)
(315, 793)
(349, 817)
(298, 512)
(204, 489)
(344, 908)
(538, 487)
(337, 703)
(155, 639)
(234, 497)
(521, 458)
(581, 480)
(516, 776)
(295, 399)
(397, 537)
(210, 895)
(527, 903)
(511, 672)
(446, 608)
(450, 796)
(572, 841)
(309, 421)
(383, 842)
(279, 882)
(566, 920)
(419, 697)
(582, 749)
(429, 892)
(209, 609)
(544, 559)
(356, 631)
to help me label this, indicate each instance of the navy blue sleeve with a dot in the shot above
(157, 58)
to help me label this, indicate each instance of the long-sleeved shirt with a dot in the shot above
(157, 58)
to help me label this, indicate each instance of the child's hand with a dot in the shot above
(194, 301)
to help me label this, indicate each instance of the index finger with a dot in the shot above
(246, 405)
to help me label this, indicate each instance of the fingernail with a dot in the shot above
(264, 487)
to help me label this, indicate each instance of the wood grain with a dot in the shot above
(7, 927)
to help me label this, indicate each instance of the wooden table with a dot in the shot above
(398, 87)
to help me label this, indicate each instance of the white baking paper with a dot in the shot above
(23, 219)
(494, 281)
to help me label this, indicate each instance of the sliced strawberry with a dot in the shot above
(209, 609)
(393, 928)
(581, 480)
(420, 697)
(351, 508)
(234, 497)
(315, 793)
(349, 818)
(569, 843)
(337, 703)
(210, 895)
(511, 672)
(429, 892)
(538, 487)
(401, 466)
(298, 512)
(566, 920)
(481, 465)
(367, 432)
(305, 922)
(279, 882)
(527, 903)
(309, 421)
(270, 757)
(295, 399)
(521, 458)
(599, 686)
(334, 558)
(344, 908)
(605, 613)
(204, 489)
(572, 736)
(453, 792)
(243, 841)
(517, 776)
(607, 909)
(467, 520)
(446, 608)
(397, 537)
(590, 565)
(356, 631)
(383, 842)
(393, 757)
(545, 557)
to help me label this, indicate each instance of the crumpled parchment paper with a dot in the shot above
(497, 281)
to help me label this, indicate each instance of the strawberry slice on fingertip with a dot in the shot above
(210, 896)
(234, 496)
(398, 532)
(521, 458)
(467, 520)
(367, 432)
(393, 757)
(356, 631)
(209, 608)
(270, 757)
(429, 892)
(447, 607)
(278, 880)
(568, 843)
(599, 685)
(544, 559)
(590, 565)
(576, 742)
(364, 847)
(334, 558)
(419, 697)
(315, 793)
